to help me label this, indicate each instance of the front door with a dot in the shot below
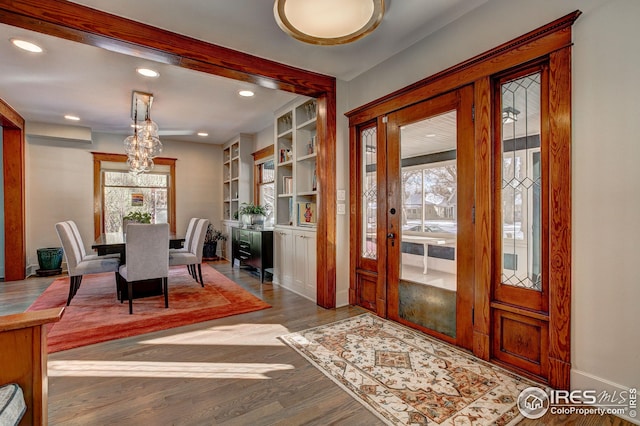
(429, 216)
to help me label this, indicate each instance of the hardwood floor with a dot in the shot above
(231, 371)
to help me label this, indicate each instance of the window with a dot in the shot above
(123, 193)
(266, 188)
(429, 202)
(116, 192)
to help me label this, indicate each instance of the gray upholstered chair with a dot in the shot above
(147, 257)
(78, 262)
(187, 241)
(192, 257)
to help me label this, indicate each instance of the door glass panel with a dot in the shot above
(369, 150)
(521, 183)
(428, 270)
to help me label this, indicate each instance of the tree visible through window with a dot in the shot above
(430, 198)
(124, 192)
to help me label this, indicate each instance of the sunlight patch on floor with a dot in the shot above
(232, 335)
(157, 370)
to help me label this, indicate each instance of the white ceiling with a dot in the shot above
(96, 84)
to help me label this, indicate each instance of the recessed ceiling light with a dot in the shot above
(203, 134)
(147, 72)
(430, 135)
(246, 93)
(26, 45)
(72, 117)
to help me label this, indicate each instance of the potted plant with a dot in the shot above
(135, 217)
(252, 214)
(211, 239)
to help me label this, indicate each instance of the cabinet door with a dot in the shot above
(310, 288)
(283, 255)
(304, 277)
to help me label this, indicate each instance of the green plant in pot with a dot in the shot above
(135, 217)
(252, 214)
(211, 239)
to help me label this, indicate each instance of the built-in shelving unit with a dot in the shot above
(297, 191)
(296, 174)
(237, 172)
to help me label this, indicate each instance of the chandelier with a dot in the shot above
(144, 145)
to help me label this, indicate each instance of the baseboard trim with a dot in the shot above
(585, 381)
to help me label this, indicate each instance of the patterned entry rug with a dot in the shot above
(408, 378)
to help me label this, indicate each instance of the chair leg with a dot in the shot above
(72, 285)
(200, 273)
(193, 272)
(130, 288)
(165, 284)
(77, 285)
(118, 293)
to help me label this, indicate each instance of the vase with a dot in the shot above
(50, 261)
(209, 250)
(252, 220)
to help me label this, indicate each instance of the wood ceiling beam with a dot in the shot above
(82, 24)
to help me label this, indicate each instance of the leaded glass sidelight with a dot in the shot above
(368, 144)
(521, 183)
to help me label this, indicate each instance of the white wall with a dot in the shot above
(606, 148)
(59, 186)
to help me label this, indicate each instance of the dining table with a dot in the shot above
(116, 243)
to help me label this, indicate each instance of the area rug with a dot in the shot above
(408, 378)
(95, 315)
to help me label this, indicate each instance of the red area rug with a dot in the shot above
(95, 315)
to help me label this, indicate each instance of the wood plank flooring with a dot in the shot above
(229, 371)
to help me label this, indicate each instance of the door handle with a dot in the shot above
(391, 235)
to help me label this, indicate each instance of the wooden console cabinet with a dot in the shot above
(254, 248)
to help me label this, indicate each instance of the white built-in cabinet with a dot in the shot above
(237, 178)
(296, 206)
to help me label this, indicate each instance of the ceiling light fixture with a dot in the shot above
(328, 22)
(144, 145)
(509, 115)
(147, 72)
(26, 45)
(72, 117)
(246, 93)
(203, 134)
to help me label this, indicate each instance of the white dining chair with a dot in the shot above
(79, 263)
(187, 242)
(192, 257)
(147, 257)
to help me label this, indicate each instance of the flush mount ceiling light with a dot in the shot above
(72, 117)
(246, 93)
(328, 22)
(26, 45)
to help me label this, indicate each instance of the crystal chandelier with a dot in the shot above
(144, 145)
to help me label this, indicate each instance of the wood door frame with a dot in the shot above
(553, 43)
(82, 24)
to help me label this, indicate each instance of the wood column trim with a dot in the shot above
(560, 218)
(13, 155)
(482, 258)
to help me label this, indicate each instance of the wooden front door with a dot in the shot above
(429, 216)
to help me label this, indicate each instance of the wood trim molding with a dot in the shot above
(263, 153)
(529, 46)
(82, 24)
(98, 158)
